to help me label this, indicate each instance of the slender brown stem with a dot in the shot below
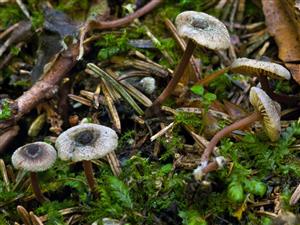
(154, 109)
(128, 19)
(180, 41)
(206, 80)
(36, 188)
(88, 170)
(212, 166)
(281, 98)
(227, 130)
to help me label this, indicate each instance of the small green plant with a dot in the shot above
(191, 217)
(5, 111)
(10, 14)
(111, 45)
(52, 210)
(207, 97)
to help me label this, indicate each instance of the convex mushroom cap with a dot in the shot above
(86, 142)
(34, 157)
(204, 29)
(257, 68)
(269, 111)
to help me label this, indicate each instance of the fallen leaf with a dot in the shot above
(284, 27)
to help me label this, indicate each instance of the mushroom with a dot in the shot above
(85, 142)
(266, 111)
(263, 70)
(35, 157)
(202, 29)
(260, 69)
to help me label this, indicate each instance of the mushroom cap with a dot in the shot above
(34, 157)
(256, 68)
(204, 29)
(269, 111)
(86, 142)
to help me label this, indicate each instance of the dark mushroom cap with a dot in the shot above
(86, 142)
(269, 111)
(254, 67)
(204, 29)
(34, 157)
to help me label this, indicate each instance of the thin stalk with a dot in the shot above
(206, 80)
(280, 98)
(212, 166)
(175, 79)
(88, 170)
(227, 130)
(36, 188)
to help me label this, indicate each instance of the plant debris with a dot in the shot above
(181, 153)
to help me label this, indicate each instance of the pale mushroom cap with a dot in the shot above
(270, 113)
(86, 142)
(204, 29)
(256, 68)
(34, 157)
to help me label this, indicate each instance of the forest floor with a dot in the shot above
(68, 63)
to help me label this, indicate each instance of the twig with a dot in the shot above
(102, 25)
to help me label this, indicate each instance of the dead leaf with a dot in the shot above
(284, 27)
(283, 22)
(239, 213)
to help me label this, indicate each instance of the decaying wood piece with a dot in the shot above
(46, 87)
(283, 21)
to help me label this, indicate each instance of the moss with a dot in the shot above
(10, 14)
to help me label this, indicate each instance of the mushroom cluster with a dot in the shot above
(83, 142)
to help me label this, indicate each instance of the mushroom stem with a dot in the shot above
(88, 170)
(154, 108)
(212, 166)
(206, 80)
(227, 130)
(281, 98)
(36, 188)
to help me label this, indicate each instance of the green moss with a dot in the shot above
(5, 111)
(10, 14)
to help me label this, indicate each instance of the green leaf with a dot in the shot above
(210, 97)
(255, 187)
(235, 192)
(166, 168)
(198, 89)
(191, 217)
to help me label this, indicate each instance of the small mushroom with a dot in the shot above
(200, 29)
(263, 70)
(265, 110)
(35, 157)
(85, 142)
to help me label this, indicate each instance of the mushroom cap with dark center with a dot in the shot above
(254, 67)
(86, 142)
(34, 157)
(204, 29)
(269, 111)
